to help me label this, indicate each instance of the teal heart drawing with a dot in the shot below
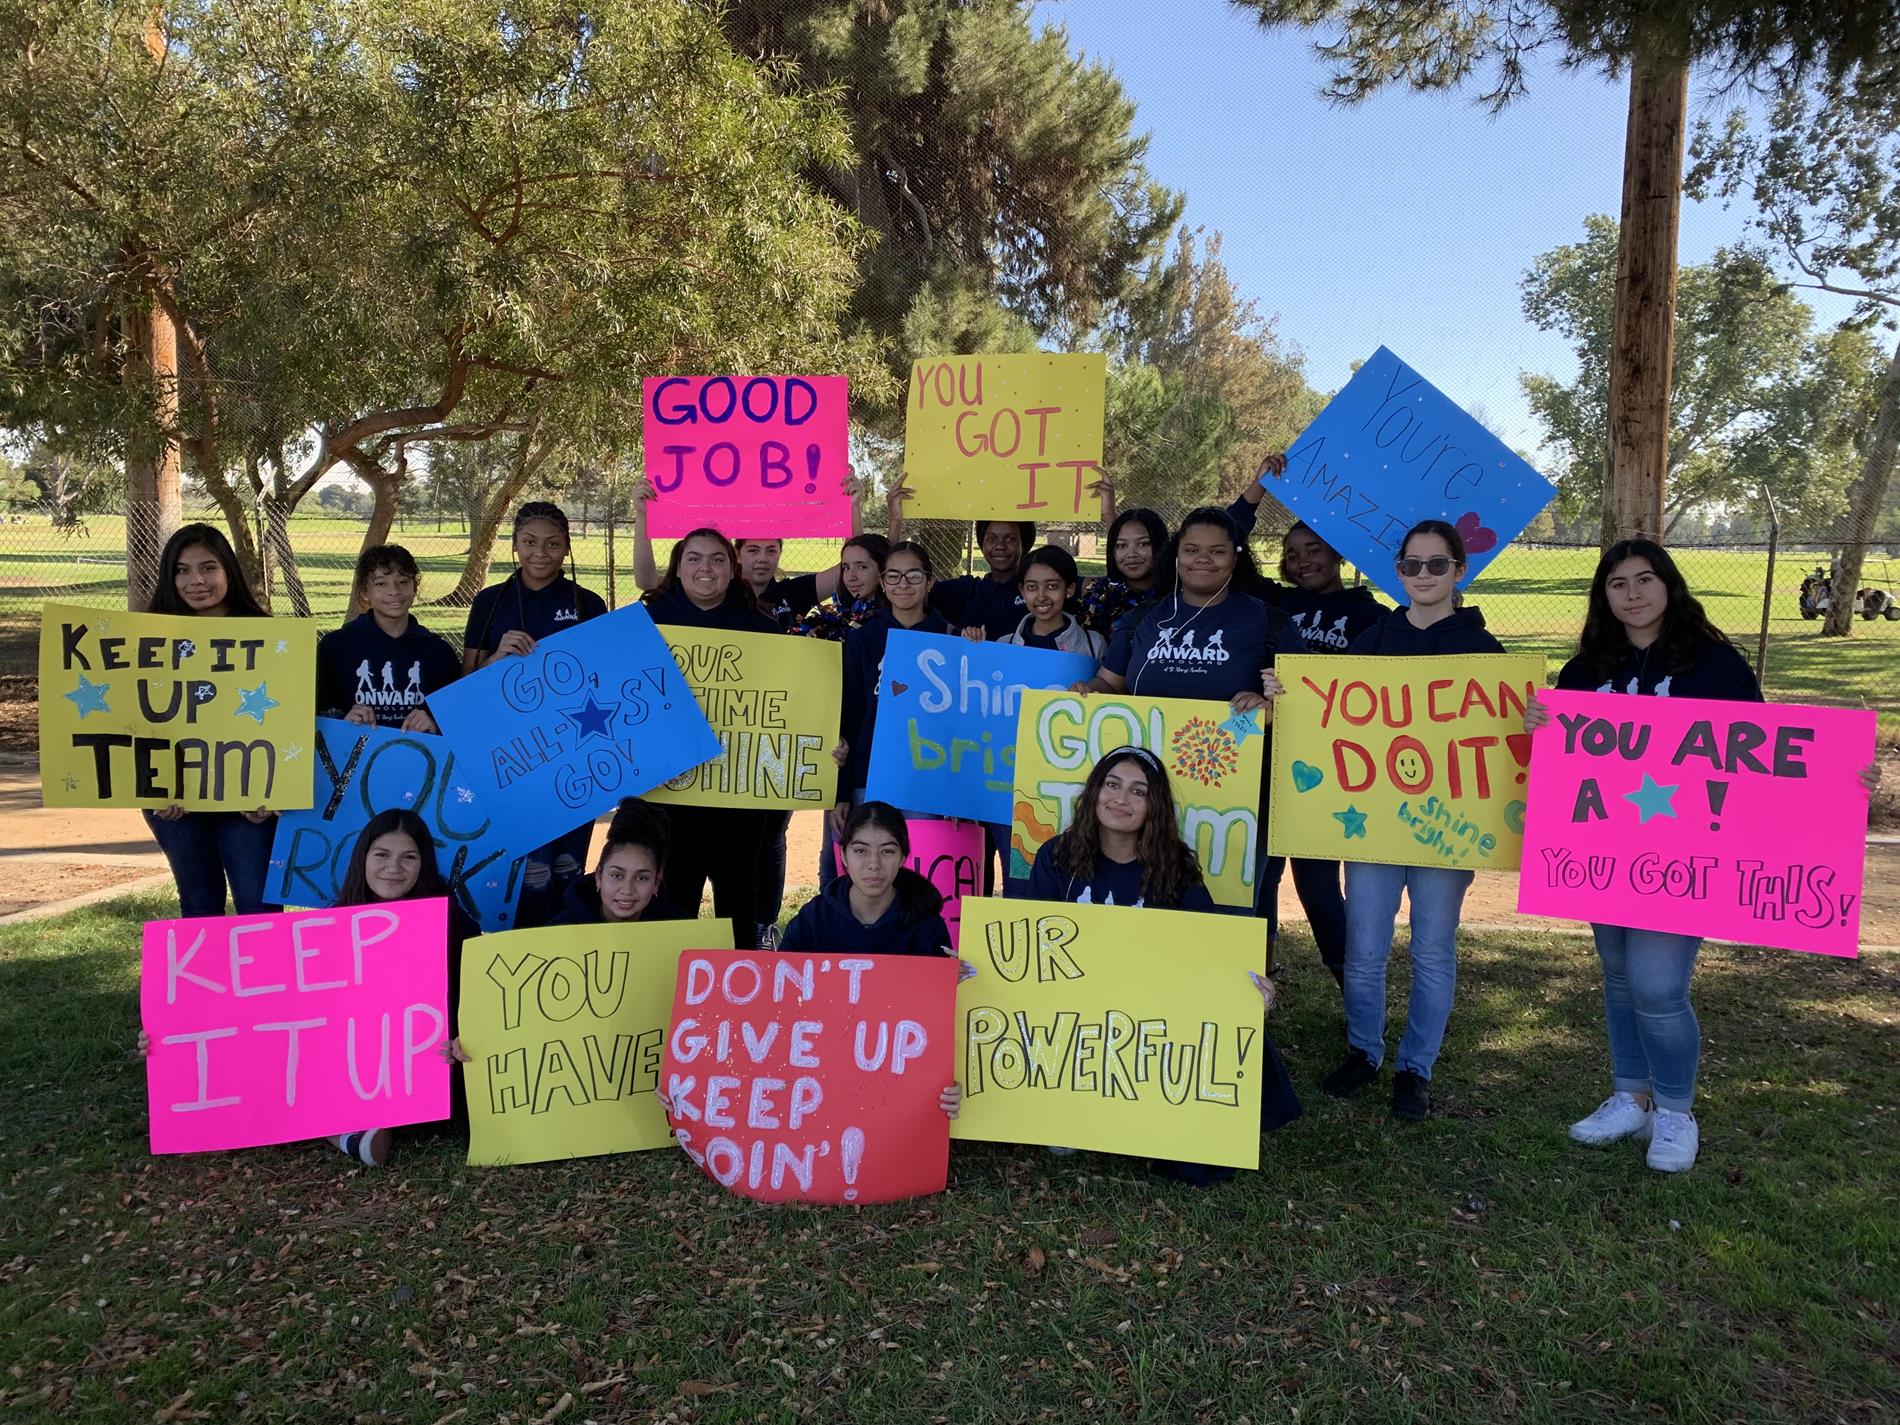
(1306, 776)
(1514, 817)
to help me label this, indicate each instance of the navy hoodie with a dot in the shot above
(582, 907)
(863, 674)
(539, 613)
(971, 599)
(827, 925)
(359, 663)
(1328, 623)
(1718, 670)
(1114, 883)
(1396, 636)
(738, 613)
(786, 601)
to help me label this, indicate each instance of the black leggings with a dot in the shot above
(721, 845)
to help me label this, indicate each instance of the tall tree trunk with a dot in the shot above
(1870, 493)
(1643, 344)
(277, 510)
(152, 506)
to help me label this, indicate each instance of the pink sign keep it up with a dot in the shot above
(755, 457)
(1739, 821)
(276, 1028)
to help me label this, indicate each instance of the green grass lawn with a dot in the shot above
(1532, 598)
(1478, 1267)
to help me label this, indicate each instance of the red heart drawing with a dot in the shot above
(1476, 536)
(899, 689)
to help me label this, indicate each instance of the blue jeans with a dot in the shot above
(207, 848)
(1317, 883)
(1372, 909)
(1655, 1042)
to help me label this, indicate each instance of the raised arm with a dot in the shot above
(646, 573)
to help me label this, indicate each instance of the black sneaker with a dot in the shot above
(1411, 1096)
(1354, 1074)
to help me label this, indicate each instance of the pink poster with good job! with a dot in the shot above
(276, 1028)
(1738, 821)
(755, 457)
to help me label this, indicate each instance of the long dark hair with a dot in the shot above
(638, 823)
(737, 592)
(1058, 559)
(429, 880)
(1247, 576)
(239, 600)
(1157, 538)
(879, 548)
(1169, 866)
(917, 899)
(1686, 629)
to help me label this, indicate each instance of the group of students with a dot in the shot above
(1181, 614)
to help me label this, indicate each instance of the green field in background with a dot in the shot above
(1532, 597)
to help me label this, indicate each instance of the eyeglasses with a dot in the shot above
(1437, 564)
(894, 577)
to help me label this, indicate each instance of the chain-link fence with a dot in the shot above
(1532, 595)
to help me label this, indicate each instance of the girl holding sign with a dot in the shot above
(1124, 846)
(1430, 563)
(1329, 616)
(534, 602)
(722, 845)
(199, 577)
(629, 875)
(1049, 586)
(1205, 636)
(394, 860)
(1646, 635)
(879, 906)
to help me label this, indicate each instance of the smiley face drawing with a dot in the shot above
(1410, 769)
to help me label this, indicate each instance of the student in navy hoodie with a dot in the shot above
(1329, 616)
(1646, 635)
(1431, 560)
(536, 601)
(1206, 635)
(380, 667)
(629, 877)
(992, 602)
(906, 580)
(723, 845)
(1050, 584)
(879, 906)
(1124, 846)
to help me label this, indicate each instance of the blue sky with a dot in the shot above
(1406, 221)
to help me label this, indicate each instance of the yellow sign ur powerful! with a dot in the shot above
(1005, 437)
(565, 1028)
(1212, 755)
(155, 710)
(775, 704)
(1113, 1029)
(1409, 761)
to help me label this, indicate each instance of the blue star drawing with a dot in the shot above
(283, 645)
(592, 718)
(1243, 726)
(89, 697)
(255, 702)
(1353, 820)
(1652, 799)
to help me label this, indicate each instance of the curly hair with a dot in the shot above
(1169, 866)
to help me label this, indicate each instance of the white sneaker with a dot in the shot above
(1673, 1144)
(1618, 1117)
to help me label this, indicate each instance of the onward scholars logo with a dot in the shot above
(1316, 635)
(1170, 650)
(385, 694)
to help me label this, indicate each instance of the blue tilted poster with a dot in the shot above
(552, 739)
(1390, 450)
(946, 721)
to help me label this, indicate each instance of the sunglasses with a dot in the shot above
(1437, 564)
